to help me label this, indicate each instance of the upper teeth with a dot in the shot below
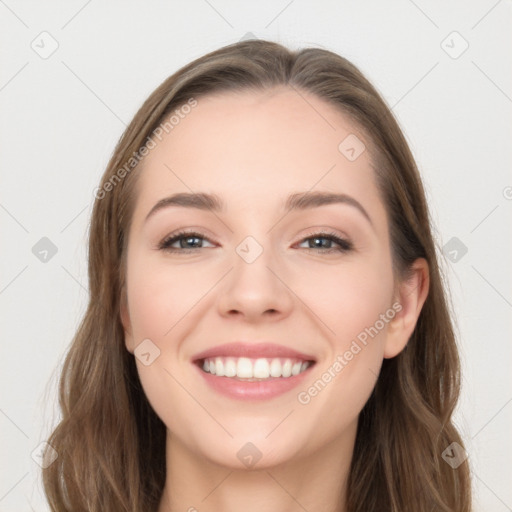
(245, 368)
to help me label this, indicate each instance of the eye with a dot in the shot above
(188, 237)
(190, 241)
(343, 245)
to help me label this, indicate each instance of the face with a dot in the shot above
(256, 288)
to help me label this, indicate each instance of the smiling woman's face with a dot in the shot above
(254, 272)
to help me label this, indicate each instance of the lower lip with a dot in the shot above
(256, 390)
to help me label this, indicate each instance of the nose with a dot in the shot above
(255, 288)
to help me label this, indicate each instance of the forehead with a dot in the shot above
(253, 148)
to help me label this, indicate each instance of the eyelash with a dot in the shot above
(344, 246)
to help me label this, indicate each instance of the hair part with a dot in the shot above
(111, 443)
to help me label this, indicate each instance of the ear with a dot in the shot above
(410, 296)
(125, 320)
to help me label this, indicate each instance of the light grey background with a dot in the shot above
(62, 115)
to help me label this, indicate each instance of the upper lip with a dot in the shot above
(252, 350)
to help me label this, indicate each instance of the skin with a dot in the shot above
(253, 150)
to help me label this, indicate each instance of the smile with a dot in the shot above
(254, 370)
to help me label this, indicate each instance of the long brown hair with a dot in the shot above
(110, 442)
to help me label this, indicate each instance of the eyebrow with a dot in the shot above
(298, 201)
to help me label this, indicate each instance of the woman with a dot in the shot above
(267, 325)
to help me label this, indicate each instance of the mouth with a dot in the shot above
(252, 371)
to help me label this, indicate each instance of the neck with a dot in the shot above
(316, 482)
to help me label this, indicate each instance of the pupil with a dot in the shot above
(317, 240)
(188, 240)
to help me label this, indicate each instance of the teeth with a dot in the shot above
(275, 368)
(219, 367)
(287, 368)
(230, 367)
(296, 368)
(243, 368)
(261, 368)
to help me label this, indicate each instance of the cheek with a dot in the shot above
(161, 294)
(347, 298)
(354, 306)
